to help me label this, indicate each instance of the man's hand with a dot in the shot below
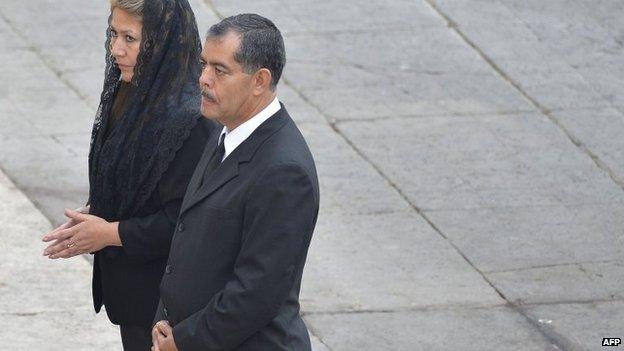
(162, 337)
(81, 234)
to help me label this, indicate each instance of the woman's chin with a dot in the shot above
(126, 77)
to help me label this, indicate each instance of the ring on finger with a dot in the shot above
(71, 244)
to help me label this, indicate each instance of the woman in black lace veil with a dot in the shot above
(147, 138)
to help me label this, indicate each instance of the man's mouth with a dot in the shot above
(208, 96)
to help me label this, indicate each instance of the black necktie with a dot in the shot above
(215, 161)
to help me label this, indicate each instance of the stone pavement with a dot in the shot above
(469, 152)
(43, 306)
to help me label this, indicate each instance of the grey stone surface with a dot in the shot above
(298, 108)
(58, 331)
(89, 83)
(503, 239)
(348, 184)
(600, 130)
(361, 262)
(13, 123)
(482, 162)
(45, 305)
(568, 282)
(581, 326)
(476, 329)
(399, 106)
(10, 40)
(376, 16)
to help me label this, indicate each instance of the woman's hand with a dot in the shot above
(70, 222)
(82, 233)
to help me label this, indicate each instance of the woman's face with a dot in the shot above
(125, 41)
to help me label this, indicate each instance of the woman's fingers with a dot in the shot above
(77, 216)
(63, 239)
(57, 247)
(63, 226)
(59, 235)
(83, 209)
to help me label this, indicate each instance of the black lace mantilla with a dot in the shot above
(163, 108)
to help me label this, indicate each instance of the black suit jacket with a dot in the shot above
(234, 272)
(126, 278)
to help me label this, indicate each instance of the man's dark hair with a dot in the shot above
(261, 43)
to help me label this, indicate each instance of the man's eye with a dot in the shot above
(219, 71)
(202, 64)
(113, 33)
(130, 39)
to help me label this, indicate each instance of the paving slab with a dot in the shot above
(569, 282)
(478, 329)
(599, 130)
(482, 161)
(11, 40)
(482, 12)
(88, 82)
(389, 51)
(298, 108)
(278, 11)
(65, 185)
(549, 42)
(581, 326)
(349, 185)
(387, 262)
(331, 15)
(45, 305)
(523, 237)
(13, 123)
(605, 75)
(562, 91)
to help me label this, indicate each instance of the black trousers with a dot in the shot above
(136, 338)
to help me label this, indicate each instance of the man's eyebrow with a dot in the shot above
(218, 63)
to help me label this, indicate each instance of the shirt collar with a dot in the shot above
(236, 137)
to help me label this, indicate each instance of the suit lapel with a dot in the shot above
(226, 171)
(229, 168)
(193, 185)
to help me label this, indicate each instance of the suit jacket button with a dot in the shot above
(168, 269)
(181, 227)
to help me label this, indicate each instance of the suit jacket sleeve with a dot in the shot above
(279, 217)
(149, 237)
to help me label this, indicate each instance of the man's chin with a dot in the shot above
(208, 113)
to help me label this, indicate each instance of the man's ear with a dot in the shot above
(262, 81)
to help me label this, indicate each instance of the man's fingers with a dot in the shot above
(155, 333)
(163, 328)
(161, 340)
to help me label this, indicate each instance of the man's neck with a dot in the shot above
(258, 106)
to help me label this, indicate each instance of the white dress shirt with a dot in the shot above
(235, 137)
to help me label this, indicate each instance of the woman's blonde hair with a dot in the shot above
(133, 7)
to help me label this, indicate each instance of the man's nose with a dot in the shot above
(206, 78)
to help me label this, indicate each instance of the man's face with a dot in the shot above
(226, 88)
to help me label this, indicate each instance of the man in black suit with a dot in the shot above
(234, 272)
